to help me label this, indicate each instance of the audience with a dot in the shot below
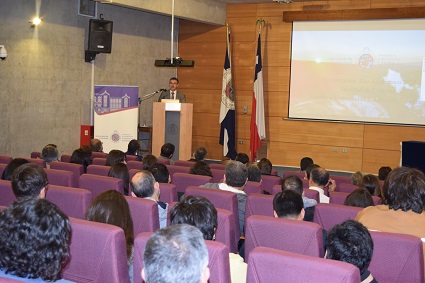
(115, 156)
(200, 168)
(29, 180)
(359, 198)
(82, 156)
(319, 179)
(120, 171)
(242, 158)
(383, 172)
(309, 169)
(148, 160)
(134, 148)
(356, 178)
(305, 162)
(265, 166)
(199, 154)
(294, 183)
(49, 153)
(10, 168)
(254, 173)
(96, 145)
(160, 173)
(371, 183)
(167, 152)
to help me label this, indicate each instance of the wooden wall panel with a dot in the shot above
(276, 103)
(276, 54)
(276, 79)
(243, 29)
(373, 159)
(207, 53)
(242, 53)
(201, 77)
(204, 101)
(243, 126)
(241, 10)
(214, 149)
(390, 137)
(198, 32)
(243, 77)
(206, 124)
(396, 4)
(276, 30)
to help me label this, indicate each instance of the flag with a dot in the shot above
(227, 108)
(258, 129)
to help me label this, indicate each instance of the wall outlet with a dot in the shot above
(240, 142)
(334, 149)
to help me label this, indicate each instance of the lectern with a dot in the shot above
(172, 122)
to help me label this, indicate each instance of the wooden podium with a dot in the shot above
(172, 122)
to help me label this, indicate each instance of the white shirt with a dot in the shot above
(323, 197)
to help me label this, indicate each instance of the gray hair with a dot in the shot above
(144, 186)
(236, 174)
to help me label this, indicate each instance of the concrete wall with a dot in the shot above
(45, 85)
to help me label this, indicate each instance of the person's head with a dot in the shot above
(383, 172)
(29, 180)
(177, 253)
(293, 183)
(254, 173)
(242, 157)
(309, 169)
(115, 156)
(305, 162)
(350, 242)
(34, 239)
(160, 173)
(196, 211)
(404, 189)
(200, 168)
(359, 198)
(289, 205)
(82, 156)
(49, 153)
(200, 153)
(173, 84)
(235, 174)
(10, 168)
(167, 150)
(319, 177)
(133, 147)
(111, 207)
(148, 160)
(265, 166)
(356, 178)
(371, 183)
(96, 145)
(143, 185)
(120, 171)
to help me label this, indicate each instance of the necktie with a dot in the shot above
(172, 95)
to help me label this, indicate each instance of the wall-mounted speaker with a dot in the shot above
(100, 36)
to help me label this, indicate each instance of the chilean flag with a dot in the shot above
(227, 108)
(258, 129)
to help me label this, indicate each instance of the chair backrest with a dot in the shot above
(253, 188)
(258, 204)
(184, 180)
(397, 258)
(130, 157)
(98, 253)
(77, 169)
(339, 198)
(268, 181)
(217, 175)
(218, 255)
(101, 170)
(96, 154)
(168, 192)
(274, 172)
(61, 178)
(295, 236)
(6, 193)
(74, 202)
(346, 188)
(217, 166)
(144, 213)
(2, 167)
(340, 180)
(37, 161)
(134, 165)
(99, 161)
(66, 157)
(312, 194)
(99, 184)
(132, 172)
(271, 265)
(35, 154)
(164, 161)
(172, 169)
(328, 215)
(301, 175)
(5, 159)
(185, 163)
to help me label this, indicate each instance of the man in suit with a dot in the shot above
(173, 92)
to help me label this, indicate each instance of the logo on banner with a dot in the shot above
(115, 137)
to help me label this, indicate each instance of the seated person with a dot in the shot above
(160, 173)
(383, 172)
(199, 154)
(148, 160)
(167, 152)
(305, 162)
(265, 166)
(200, 168)
(356, 178)
(134, 148)
(82, 156)
(288, 205)
(115, 156)
(120, 170)
(29, 180)
(242, 158)
(8, 171)
(49, 153)
(96, 145)
(319, 179)
(371, 183)
(295, 184)
(359, 198)
(254, 173)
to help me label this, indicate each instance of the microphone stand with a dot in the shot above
(146, 97)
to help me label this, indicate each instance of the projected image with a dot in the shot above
(370, 71)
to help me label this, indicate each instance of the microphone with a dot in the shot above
(162, 89)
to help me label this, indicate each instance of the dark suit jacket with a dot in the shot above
(166, 95)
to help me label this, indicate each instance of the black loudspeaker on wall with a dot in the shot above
(100, 36)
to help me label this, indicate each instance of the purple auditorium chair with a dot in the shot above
(6, 193)
(276, 189)
(185, 163)
(96, 154)
(258, 204)
(60, 178)
(66, 158)
(37, 161)
(312, 194)
(98, 253)
(218, 255)
(172, 169)
(339, 198)
(306, 184)
(72, 201)
(217, 166)
(99, 184)
(268, 181)
(341, 179)
(274, 173)
(132, 172)
(5, 159)
(218, 175)
(134, 165)
(301, 175)
(376, 200)
(253, 188)
(287, 235)
(184, 180)
(99, 161)
(345, 188)
(164, 161)
(2, 167)
(98, 170)
(220, 199)
(168, 192)
(35, 154)
(271, 265)
(144, 213)
(397, 258)
(328, 215)
(77, 169)
(132, 158)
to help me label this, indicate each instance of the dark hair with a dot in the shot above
(350, 242)
(196, 211)
(144, 185)
(28, 180)
(160, 172)
(8, 171)
(242, 157)
(404, 189)
(115, 156)
(359, 198)
(288, 204)
(82, 156)
(34, 239)
(320, 176)
(236, 174)
(383, 172)
(148, 160)
(111, 207)
(356, 178)
(305, 162)
(120, 171)
(133, 147)
(371, 183)
(254, 174)
(309, 169)
(96, 145)
(293, 183)
(200, 168)
(265, 166)
(49, 153)
(167, 150)
(174, 79)
(200, 153)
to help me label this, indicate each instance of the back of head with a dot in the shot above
(356, 178)
(120, 171)
(167, 150)
(288, 204)
(293, 183)
(115, 156)
(350, 242)
(49, 153)
(160, 172)
(319, 176)
(142, 184)
(200, 168)
(359, 198)
(133, 147)
(96, 145)
(196, 211)
(383, 172)
(148, 160)
(34, 239)
(82, 156)
(200, 153)
(254, 173)
(28, 180)
(265, 166)
(242, 157)
(10, 168)
(371, 183)
(404, 189)
(309, 169)
(305, 162)
(236, 174)
(177, 253)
